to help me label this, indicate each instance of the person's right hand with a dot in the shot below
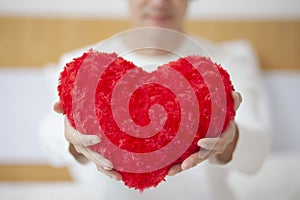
(79, 148)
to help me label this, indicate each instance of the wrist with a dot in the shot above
(226, 156)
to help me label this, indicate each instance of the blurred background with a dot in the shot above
(34, 33)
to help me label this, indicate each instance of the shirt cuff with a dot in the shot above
(250, 152)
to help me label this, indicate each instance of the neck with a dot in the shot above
(153, 41)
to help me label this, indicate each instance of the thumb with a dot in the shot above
(57, 107)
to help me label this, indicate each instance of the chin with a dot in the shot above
(161, 24)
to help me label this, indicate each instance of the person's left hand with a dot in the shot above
(217, 150)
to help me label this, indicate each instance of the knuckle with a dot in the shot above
(203, 154)
(68, 137)
(89, 140)
(84, 141)
(221, 143)
(221, 150)
(101, 161)
(240, 97)
(194, 164)
(79, 149)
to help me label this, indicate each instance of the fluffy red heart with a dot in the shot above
(86, 91)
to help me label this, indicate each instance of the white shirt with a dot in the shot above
(207, 180)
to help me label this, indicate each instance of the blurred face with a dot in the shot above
(158, 13)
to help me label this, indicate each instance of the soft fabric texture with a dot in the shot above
(107, 70)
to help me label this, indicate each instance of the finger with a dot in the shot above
(174, 170)
(204, 154)
(237, 97)
(57, 107)
(95, 157)
(78, 139)
(197, 158)
(216, 144)
(111, 173)
(229, 133)
(191, 161)
(100, 160)
(219, 143)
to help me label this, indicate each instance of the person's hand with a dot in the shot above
(217, 150)
(79, 148)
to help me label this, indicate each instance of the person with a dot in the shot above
(242, 147)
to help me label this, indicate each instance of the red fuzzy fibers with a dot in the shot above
(107, 81)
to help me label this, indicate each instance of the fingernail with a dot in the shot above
(202, 143)
(116, 178)
(107, 168)
(172, 173)
(95, 140)
(185, 166)
(237, 97)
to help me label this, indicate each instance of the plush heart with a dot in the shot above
(147, 122)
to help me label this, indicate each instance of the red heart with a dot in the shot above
(194, 92)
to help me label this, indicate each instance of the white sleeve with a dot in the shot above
(51, 129)
(54, 145)
(252, 116)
